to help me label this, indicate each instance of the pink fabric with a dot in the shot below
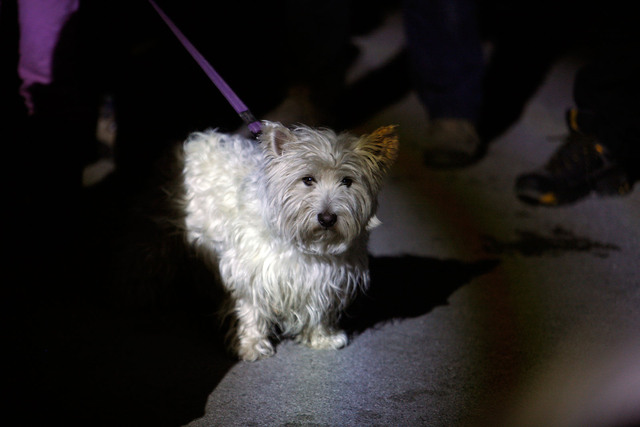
(41, 22)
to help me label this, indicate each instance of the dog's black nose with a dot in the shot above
(327, 219)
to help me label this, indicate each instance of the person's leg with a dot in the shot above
(317, 34)
(446, 56)
(61, 123)
(447, 65)
(606, 94)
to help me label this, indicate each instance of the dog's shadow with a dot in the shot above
(409, 286)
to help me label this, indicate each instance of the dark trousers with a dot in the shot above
(446, 56)
(607, 96)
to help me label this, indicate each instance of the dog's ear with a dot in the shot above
(275, 136)
(380, 146)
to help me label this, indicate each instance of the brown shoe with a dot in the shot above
(451, 143)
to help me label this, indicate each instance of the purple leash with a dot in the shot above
(242, 110)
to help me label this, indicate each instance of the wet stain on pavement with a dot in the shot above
(532, 243)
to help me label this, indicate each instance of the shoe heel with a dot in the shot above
(614, 183)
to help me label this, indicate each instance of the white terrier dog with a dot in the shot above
(285, 223)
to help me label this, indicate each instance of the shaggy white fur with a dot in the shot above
(285, 223)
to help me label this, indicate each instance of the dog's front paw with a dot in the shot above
(321, 338)
(253, 349)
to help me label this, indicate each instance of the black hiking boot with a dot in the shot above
(580, 166)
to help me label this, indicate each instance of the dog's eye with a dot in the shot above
(308, 180)
(346, 182)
